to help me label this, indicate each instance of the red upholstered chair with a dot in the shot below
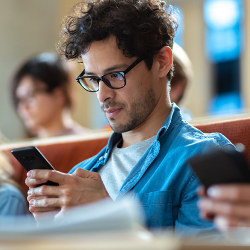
(237, 131)
(66, 152)
(62, 152)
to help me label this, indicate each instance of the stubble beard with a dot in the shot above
(138, 113)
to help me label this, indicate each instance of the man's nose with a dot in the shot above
(104, 92)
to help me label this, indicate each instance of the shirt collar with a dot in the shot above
(173, 118)
(171, 121)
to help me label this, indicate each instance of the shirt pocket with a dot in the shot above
(158, 208)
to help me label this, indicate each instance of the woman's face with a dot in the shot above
(37, 107)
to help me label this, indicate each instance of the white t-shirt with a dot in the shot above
(119, 165)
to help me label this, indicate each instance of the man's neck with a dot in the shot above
(148, 128)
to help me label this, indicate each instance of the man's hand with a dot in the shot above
(79, 188)
(228, 205)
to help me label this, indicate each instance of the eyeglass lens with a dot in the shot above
(30, 97)
(113, 80)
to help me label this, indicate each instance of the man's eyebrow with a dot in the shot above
(110, 69)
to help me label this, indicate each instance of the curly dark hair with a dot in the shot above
(141, 27)
(48, 68)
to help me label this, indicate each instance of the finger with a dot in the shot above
(222, 223)
(29, 197)
(206, 215)
(226, 223)
(230, 192)
(201, 191)
(45, 190)
(30, 182)
(241, 210)
(41, 210)
(41, 204)
(46, 175)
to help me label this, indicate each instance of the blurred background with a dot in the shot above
(214, 33)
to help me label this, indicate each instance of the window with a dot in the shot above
(223, 20)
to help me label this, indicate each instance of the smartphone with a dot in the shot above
(220, 166)
(31, 158)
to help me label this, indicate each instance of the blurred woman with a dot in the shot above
(42, 97)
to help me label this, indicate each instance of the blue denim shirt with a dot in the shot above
(163, 182)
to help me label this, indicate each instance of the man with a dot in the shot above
(126, 49)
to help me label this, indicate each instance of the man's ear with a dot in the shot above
(164, 58)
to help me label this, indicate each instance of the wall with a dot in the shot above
(245, 88)
(200, 90)
(22, 35)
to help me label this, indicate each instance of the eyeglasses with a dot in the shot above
(114, 80)
(29, 98)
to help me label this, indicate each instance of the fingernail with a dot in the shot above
(205, 204)
(29, 173)
(31, 202)
(221, 223)
(213, 192)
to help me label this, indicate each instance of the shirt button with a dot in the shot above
(100, 158)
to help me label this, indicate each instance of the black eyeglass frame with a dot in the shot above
(102, 78)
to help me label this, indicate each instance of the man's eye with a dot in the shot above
(93, 80)
(116, 76)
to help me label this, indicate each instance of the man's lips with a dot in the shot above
(112, 112)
